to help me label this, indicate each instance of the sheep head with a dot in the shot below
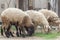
(30, 29)
(27, 22)
(47, 29)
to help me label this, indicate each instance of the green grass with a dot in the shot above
(47, 36)
(13, 27)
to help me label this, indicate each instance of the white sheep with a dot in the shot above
(17, 17)
(52, 17)
(39, 19)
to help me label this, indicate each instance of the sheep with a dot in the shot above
(17, 17)
(39, 19)
(52, 17)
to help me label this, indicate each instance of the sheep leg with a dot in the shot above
(11, 33)
(27, 31)
(1, 31)
(17, 33)
(20, 31)
(23, 31)
(7, 33)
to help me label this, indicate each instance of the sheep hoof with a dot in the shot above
(17, 34)
(7, 34)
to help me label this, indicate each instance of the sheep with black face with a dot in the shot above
(17, 17)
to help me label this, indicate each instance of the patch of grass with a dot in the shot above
(13, 27)
(47, 36)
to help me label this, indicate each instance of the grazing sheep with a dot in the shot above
(14, 16)
(52, 17)
(39, 19)
(48, 13)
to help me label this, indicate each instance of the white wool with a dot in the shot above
(51, 14)
(37, 17)
(14, 15)
(48, 13)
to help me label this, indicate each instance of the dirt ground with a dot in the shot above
(26, 38)
(20, 38)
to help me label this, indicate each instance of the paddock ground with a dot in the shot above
(29, 38)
